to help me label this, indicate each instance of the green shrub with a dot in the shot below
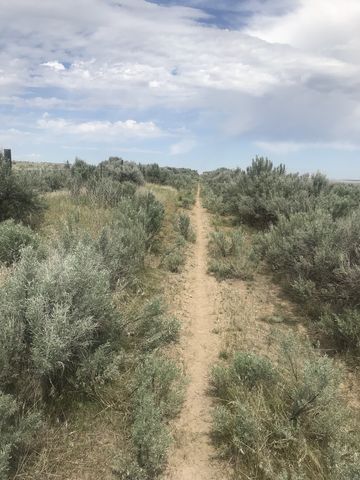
(251, 370)
(183, 225)
(123, 248)
(341, 200)
(108, 192)
(230, 256)
(174, 257)
(186, 198)
(261, 193)
(46, 179)
(174, 260)
(258, 195)
(144, 210)
(121, 170)
(346, 464)
(239, 425)
(18, 199)
(318, 259)
(311, 241)
(183, 179)
(150, 436)
(82, 171)
(226, 244)
(212, 201)
(281, 416)
(162, 377)
(102, 366)
(245, 370)
(17, 432)
(149, 327)
(343, 328)
(151, 213)
(13, 238)
(125, 241)
(128, 469)
(55, 313)
(158, 397)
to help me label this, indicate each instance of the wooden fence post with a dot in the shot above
(7, 158)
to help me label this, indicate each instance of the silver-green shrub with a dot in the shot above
(281, 416)
(174, 259)
(318, 259)
(125, 242)
(183, 225)
(158, 395)
(108, 192)
(120, 170)
(17, 431)
(54, 312)
(149, 327)
(258, 195)
(13, 238)
(343, 328)
(122, 245)
(230, 255)
(150, 212)
(18, 198)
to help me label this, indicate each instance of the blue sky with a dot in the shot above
(198, 83)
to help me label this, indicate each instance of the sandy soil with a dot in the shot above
(193, 457)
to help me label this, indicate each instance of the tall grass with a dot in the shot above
(230, 255)
(284, 419)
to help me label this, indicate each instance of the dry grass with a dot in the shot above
(37, 165)
(255, 315)
(256, 319)
(84, 444)
(4, 273)
(168, 197)
(62, 208)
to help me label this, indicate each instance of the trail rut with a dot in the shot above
(193, 456)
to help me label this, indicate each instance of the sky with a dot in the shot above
(193, 83)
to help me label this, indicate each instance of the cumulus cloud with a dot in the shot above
(288, 74)
(315, 26)
(161, 52)
(54, 65)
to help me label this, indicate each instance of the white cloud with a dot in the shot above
(32, 102)
(291, 77)
(315, 26)
(284, 148)
(123, 129)
(182, 147)
(122, 49)
(57, 66)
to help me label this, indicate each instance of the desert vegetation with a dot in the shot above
(284, 418)
(83, 323)
(304, 229)
(280, 410)
(88, 356)
(230, 255)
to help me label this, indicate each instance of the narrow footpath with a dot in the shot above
(193, 457)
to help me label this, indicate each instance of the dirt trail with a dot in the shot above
(193, 456)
